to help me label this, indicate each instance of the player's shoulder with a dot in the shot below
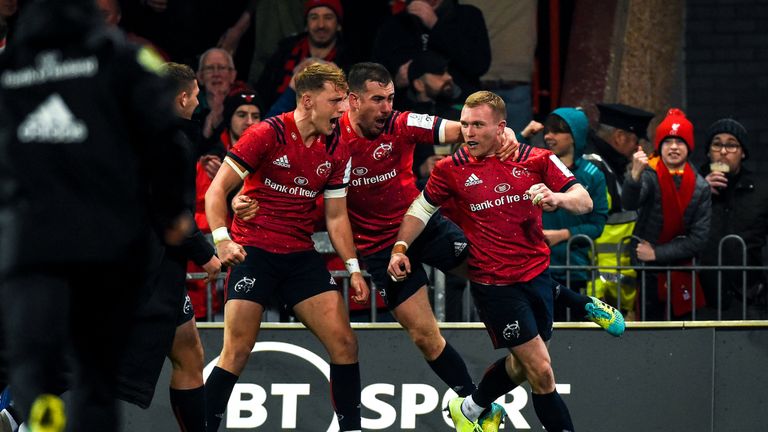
(528, 154)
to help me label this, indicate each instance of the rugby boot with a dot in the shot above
(606, 316)
(460, 421)
(491, 418)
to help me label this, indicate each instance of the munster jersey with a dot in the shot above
(382, 185)
(286, 176)
(506, 241)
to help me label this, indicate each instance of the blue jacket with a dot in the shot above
(590, 224)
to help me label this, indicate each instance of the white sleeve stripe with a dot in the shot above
(242, 173)
(348, 171)
(441, 133)
(335, 193)
(422, 209)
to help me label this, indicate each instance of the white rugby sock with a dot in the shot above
(470, 409)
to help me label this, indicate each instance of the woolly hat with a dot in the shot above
(334, 5)
(579, 125)
(237, 99)
(674, 125)
(731, 126)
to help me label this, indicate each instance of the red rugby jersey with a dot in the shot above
(506, 242)
(286, 177)
(382, 185)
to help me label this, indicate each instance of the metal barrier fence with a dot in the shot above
(438, 284)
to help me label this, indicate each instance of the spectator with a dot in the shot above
(513, 35)
(620, 129)
(8, 9)
(674, 213)
(216, 72)
(90, 131)
(322, 40)
(565, 133)
(456, 31)
(740, 207)
(433, 92)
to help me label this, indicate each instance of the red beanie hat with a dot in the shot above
(674, 125)
(334, 5)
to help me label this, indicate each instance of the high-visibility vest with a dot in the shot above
(618, 226)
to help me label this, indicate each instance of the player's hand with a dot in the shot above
(230, 253)
(639, 162)
(509, 145)
(213, 268)
(399, 267)
(245, 207)
(361, 293)
(645, 251)
(210, 164)
(543, 197)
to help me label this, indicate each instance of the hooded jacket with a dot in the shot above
(590, 224)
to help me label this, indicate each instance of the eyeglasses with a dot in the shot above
(729, 147)
(216, 68)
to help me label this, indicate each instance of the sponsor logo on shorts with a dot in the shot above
(511, 331)
(245, 285)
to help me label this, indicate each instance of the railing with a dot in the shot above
(438, 279)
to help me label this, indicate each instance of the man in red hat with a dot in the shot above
(673, 203)
(322, 40)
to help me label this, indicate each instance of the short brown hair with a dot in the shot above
(494, 101)
(180, 74)
(316, 75)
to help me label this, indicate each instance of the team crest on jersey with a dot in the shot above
(382, 151)
(519, 172)
(245, 285)
(301, 181)
(502, 188)
(511, 331)
(293, 136)
(360, 171)
(323, 169)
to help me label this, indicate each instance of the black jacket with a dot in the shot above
(460, 35)
(741, 209)
(87, 133)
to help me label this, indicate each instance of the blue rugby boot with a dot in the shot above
(606, 316)
(491, 418)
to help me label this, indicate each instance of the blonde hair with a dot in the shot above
(316, 75)
(494, 101)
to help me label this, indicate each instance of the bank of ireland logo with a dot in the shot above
(323, 169)
(382, 151)
(502, 188)
(259, 416)
(360, 171)
(301, 181)
(245, 285)
(511, 331)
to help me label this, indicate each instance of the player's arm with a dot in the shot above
(413, 224)
(230, 175)
(452, 134)
(575, 199)
(340, 233)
